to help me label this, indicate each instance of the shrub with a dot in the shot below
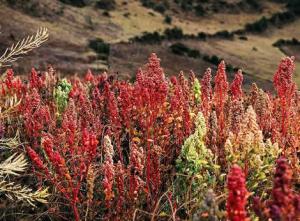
(258, 26)
(283, 42)
(106, 4)
(168, 19)
(194, 53)
(200, 11)
(179, 49)
(159, 6)
(215, 60)
(76, 3)
(294, 6)
(100, 47)
(174, 33)
(150, 38)
(202, 35)
(224, 34)
(32, 7)
(244, 38)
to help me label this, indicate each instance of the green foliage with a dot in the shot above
(200, 11)
(159, 6)
(224, 34)
(174, 33)
(192, 5)
(179, 48)
(76, 3)
(168, 19)
(197, 90)
(149, 38)
(258, 26)
(182, 49)
(196, 167)
(106, 4)
(61, 94)
(194, 53)
(249, 150)
(283, 42)
(100, 47)
(294, 5)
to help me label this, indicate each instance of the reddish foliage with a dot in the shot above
(236, 86)
(285, 203)
(237, 196)
(12, 85)
(147, 122)
(206, 92)
(220, 95)
(285, 88)
(108, 171)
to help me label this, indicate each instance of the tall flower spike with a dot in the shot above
(89, 77)
(212, 133)
(283, 81)
(221, 84)
(286, 89)
(154, 66)
(237, 196)
(206, 92)
(136, 170)
(108, 171)
(285, 204)
(35, 158)
(35, 80)
(220, 95)
(236, 86)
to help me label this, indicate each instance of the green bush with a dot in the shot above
(194, 53)
(224, 34)
(168, 19)
(100, 47)
(244, 38)
(179, 49)
(202, 35)
(159, 6)
(31, 8)
(294, 5)
(258, 26)
(173, 33)
(76, 3)
(282, 18)
(199, 10)
(106, 4)
(149, 37)
(215, 60)
(282, 42)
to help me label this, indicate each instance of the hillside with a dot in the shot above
(75, 32)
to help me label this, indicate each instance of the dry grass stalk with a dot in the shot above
(23, 47)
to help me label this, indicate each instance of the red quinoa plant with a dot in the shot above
(237, 195)
(108, 148)
(285, 202)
